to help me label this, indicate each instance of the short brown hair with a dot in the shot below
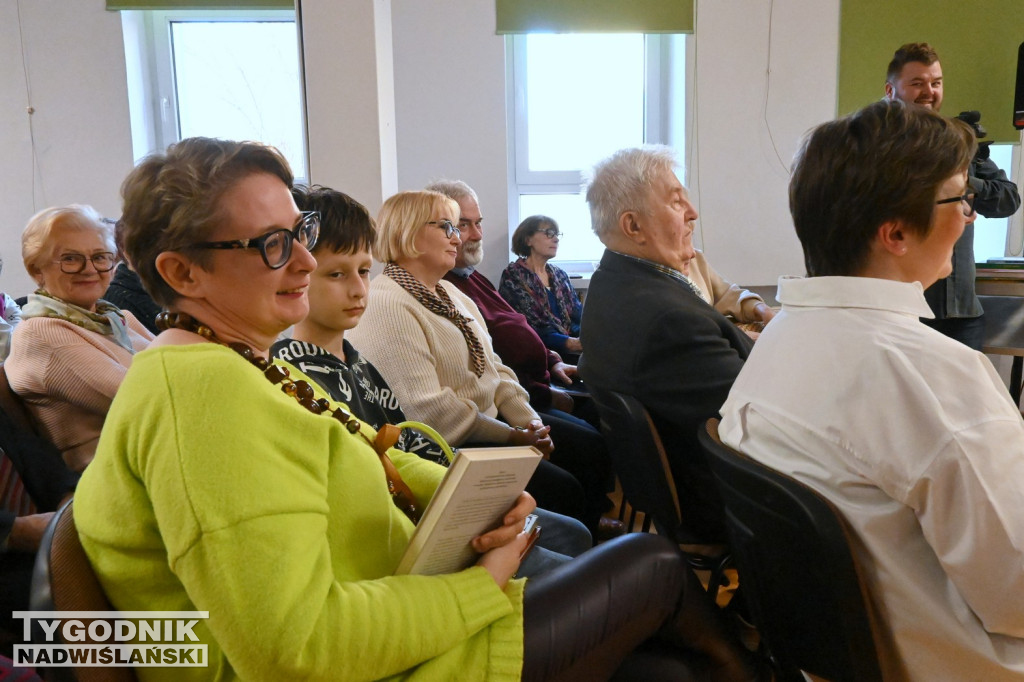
(402, 217)
(527, 229)
(884, 162)
(172, 200)
(911, 52)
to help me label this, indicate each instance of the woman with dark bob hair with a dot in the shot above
(912, 435)
(225, 482)
(541, 291)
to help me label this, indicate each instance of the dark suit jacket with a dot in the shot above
(650, 336)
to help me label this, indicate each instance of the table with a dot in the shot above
(1004, 332)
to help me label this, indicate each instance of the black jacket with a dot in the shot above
(650, 336)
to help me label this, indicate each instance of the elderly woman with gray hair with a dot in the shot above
(72, 348)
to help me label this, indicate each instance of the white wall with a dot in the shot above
(450, 107)
(446, 78)
(450, 117)
(762, 82)
(74, 65)
(349, 90)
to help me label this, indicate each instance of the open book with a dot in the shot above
(480, 487)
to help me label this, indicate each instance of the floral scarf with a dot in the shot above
(108, 319)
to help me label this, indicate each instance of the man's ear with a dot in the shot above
(890, 91)
(893, 237)
(630, 227)
(179, 272)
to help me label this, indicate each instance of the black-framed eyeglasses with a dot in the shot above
(967, 198)
(551, 232)
(276, 246)
(448, 228)
(74, 263)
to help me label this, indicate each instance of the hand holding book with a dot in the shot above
(480, 506)
(503, 561)
(512, 525)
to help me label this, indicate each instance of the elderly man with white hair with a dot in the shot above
(648, 329)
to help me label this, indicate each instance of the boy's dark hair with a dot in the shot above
(345, 224)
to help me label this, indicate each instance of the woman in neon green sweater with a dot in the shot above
(215, 490)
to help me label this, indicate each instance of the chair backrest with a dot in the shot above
(792, 549)
(37, 461)
(64, 580)
(640, 461)
(13, 406)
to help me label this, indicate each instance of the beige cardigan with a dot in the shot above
(425, 360)
(68, 375)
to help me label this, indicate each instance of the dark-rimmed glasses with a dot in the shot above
(448, 228)
(551, 232)
(968, 199)
(276, 246)
(74, 263)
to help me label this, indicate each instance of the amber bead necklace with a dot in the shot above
(387, 435)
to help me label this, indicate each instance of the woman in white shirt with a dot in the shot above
(911, 434)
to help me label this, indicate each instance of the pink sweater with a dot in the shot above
(67, 376)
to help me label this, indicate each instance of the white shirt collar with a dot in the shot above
(906, 298)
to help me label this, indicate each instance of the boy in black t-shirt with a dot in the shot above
(337, 299)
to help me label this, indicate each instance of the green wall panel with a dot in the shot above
(977, 43)
(595, 16)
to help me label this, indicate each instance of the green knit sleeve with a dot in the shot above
(294, 539)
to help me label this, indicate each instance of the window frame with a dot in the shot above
(661, 115)
(154, 118)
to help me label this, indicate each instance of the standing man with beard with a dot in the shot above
(915, 77)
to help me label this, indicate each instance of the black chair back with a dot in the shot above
(792, 549)
(12, 405)
(642, 467)
(37, 461)
(640, 461)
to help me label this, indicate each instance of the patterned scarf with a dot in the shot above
(439, 304)
(107, 320)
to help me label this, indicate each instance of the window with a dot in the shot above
(990, 234)
(575, 99)
(215, 73)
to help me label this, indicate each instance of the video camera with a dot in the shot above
(973, 119)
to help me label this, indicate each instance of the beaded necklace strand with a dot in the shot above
(303, 393)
